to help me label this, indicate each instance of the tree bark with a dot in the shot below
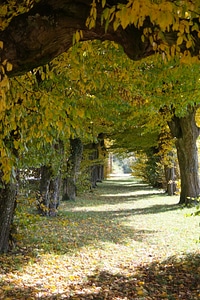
(8, 193)
(49, 194)
(34, 38)
(96, 155)
(170, 177)
(73, 167)
(186, 132)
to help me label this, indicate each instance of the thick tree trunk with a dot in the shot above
(8, 193)
(188, 163)
(49, 194)
(73, 167)
(186, 132)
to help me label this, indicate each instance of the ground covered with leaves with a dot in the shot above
(123, 241)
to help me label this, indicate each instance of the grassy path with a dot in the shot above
(123, 241)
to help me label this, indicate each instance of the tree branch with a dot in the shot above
(45, 31)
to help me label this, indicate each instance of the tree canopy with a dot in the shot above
(34, 32)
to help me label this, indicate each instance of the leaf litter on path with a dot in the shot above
(123, 241)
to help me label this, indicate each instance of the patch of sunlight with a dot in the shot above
(128, 183)
(135, 193)
(104, 208)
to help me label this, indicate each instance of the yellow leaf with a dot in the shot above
(116, 24)
(140, 292)
(173, 50)
(1, 44)
(124, 19)
(77, 36)
(16, 144)
(163, 295)
(143, 38)
(9, 67)
(179, 40)
(189, 44)
(80, 113)
(43, 76)
(103, 3)
(6, 287)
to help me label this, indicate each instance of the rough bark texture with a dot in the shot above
(186, 132)
(49, 194)
(170, 177)
(73, 167)
(8, 195)
(96, 154)
(36, 37)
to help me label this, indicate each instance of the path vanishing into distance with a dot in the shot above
(151, 223)
(123, 241)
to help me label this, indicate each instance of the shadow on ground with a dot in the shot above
(113, 192)
(80, 224)
(174, 278)
(77, 229)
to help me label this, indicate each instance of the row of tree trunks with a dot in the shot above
(53, 188)
(184, 129)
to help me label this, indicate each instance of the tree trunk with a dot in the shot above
(8, 193)
(49, 194)
(94, 167)
(73, 167)
(170, 177)
(100, 173)
(186, 132)
(96, 157)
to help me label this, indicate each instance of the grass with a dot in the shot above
(125, 240)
